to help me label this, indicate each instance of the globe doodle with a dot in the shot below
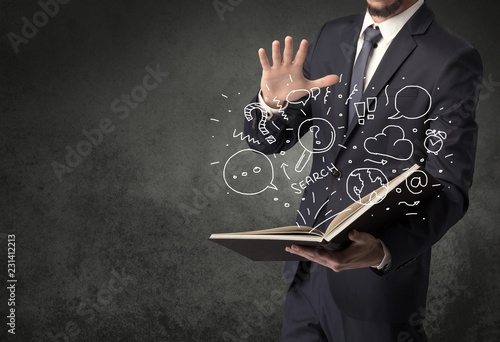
(362, 183)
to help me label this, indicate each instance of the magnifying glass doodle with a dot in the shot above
(318, 144)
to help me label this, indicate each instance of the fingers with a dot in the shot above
(324, 81)
(300, 57)
(359, 237)
(288, 52)
(317, 255)
(263, 59)
(354, 235)
(276, 53)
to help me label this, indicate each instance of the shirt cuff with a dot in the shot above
(273, 111)
(385, 264)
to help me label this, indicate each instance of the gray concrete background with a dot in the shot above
(115, 249)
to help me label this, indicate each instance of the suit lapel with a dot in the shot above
(343, 66)
(400, 48)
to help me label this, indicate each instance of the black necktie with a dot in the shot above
(358, 73)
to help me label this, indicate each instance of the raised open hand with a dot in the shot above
(285, 76)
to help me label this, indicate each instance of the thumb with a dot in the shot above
(356, 236)
(325, 81)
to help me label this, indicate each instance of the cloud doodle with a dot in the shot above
(393, 142)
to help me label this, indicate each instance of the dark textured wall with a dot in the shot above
(112, 245)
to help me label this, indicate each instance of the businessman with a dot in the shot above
(380, 91)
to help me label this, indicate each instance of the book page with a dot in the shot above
(284, 237)
(285, 230)
(356, 209)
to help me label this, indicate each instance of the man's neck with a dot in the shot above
(404, 6)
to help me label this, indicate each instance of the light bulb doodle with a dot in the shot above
(313, 94)
(255, 175)
(319, 145)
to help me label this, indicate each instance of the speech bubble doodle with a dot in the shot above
(407, 113)
(293, 93)
(319, 145)
(390, 143)
(362, 183)
(255, 175)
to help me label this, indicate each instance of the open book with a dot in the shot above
(392, 201)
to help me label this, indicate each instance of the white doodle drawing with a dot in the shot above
(270, 140)
(360, 112)
(383, 161)
(313, 94)
(246, 137)
(327, 92)
(280, 108)
(257, 179)
(386, 95)
(305, 93)
(354, 90)
(302, 217)
(362, 183)
(416, 181)
(434, 141)
(409, 204)
(317, 143)
(250, 107)
(393, 144)
(283, 166)
(371, 107)
(431, 119)
(410, 116)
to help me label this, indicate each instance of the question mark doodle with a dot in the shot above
(306, 154)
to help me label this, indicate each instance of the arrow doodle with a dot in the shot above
(284, 170)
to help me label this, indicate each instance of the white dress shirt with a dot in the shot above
(389, 29)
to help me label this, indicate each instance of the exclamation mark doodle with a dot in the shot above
(371, 105)
(360, 111)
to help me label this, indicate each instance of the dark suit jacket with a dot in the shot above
(439, 132)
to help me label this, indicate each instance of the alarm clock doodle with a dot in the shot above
(434, 141)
